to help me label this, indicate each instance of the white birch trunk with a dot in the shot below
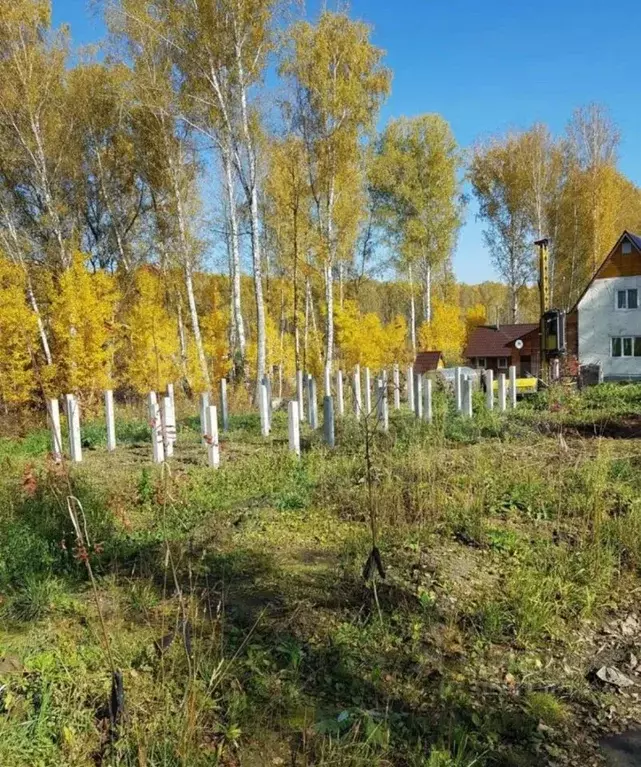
(412, 312)
(329, 337)
(234, 251)
(306, 328)
(41, 328)
(195, 324)
(46, 196)
(428, 292)
(514, 303)
(329, 278)
(119, 241)
(251, 191)
(181, 339)
(187, 263)
(15, 253)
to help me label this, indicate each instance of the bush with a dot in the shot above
(37, 597)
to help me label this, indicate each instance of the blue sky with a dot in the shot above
(490, 65)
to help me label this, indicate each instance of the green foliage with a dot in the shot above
(595, 406)
(128, 431)
(615, 397)
(36, 443)
(23, 553)
(39, 537)
(553, 586)
(35, 598)
(548, 709)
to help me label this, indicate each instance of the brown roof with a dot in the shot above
(488, 341)
(427, 361)
(635, 239)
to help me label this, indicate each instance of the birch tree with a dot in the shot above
(338, 82)
(415, 174)
(288, 219)
(34, 125)
(498, 173)
(19, 246)
(593, 139)
(111, 198)
(164, 149)
(233, 249)
(35, 225)
(220, 48)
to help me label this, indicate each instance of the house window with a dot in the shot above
(481, 362)
(502, 363)
(625, 346)
(628, 299)
(626, 248)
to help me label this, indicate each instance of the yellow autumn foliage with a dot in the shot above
(194, 372)
(214, 327)
(474, 317)
(313, 357)
(280, 349)
(83, 307)
(364, 340)
(395, 348)
(149, 347)
(445, 333)
(18, 331)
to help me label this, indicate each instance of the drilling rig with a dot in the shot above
(552, 330)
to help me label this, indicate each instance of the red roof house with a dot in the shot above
(427, 361)
(495, 348)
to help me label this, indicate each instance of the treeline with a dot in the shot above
(231, 128)
(120, 176)
(530, 184)
(103, 336)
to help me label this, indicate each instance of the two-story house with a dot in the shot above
(604, 327)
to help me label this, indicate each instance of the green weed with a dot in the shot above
(36, 598)
(546, 708)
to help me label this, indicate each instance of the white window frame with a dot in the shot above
(481, 362)
(626, 292)
(626, 248)
(623, 339)
(502, 366)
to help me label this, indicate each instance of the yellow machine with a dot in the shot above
(523, 385)
(552, 333)
(544, 293)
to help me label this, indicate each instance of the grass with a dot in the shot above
(236, 610)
